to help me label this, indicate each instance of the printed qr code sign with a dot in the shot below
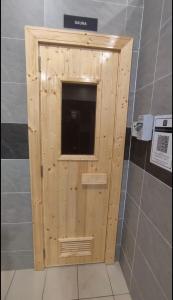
(162, 143)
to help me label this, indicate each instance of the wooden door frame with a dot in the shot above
(34, 36)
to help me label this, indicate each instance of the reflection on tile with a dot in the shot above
(136, 2)
(3, 176)
(122, 205)
(162, 98)
(147, 60)
(164, 61)
(138, 152)
(131, 215)
(61, 283)
(14, 141)
(16, 236)
(135, 292)
(117, 252)
(16, 208)
(27, 284)
(133, 24)
(156, 202)
(130, 108)
(17, 175)
(124, 175)
(167, 10)
(151, 20)
(111, 17)
(119, 231)
(17, 260)
(14, 103)
(133, 71)
(125, 268)
(93, 281)
(128, 244)
(118, 282)
(13, 60)
(6, 279)
(31, 14)
(142, 101)
(155, 249)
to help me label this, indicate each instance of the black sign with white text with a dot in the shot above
(83, 23)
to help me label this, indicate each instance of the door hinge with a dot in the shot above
(41, 171)
(39, 63)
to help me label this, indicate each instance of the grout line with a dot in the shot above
(167, 21)
(12, 223)
(152, 82)
(109, 280)
(100, 297)
(12, 38)
(11, 251)
(13, 82)
(133, 109)
(151, 222)
(151, 270)
(44, 12)
(10, 285)
(137, 227)
(157, 54)
(77, 282)
(120, 4)
(16, 193)
(139, 292)
(125, 21)
(155, 227)
(160, 181)
(126, 259)
(44, 285)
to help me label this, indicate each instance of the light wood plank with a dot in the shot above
(95, 179)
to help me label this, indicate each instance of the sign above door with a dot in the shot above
(76, 22)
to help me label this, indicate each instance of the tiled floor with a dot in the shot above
(66, 283)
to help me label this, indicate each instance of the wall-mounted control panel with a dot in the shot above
(143, 127)
(161, 151)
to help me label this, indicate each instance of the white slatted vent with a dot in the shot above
(81, 246)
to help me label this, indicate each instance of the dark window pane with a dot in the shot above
(78, 118)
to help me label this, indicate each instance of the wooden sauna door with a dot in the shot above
(76, 161)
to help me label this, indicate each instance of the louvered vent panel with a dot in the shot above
(76, 247)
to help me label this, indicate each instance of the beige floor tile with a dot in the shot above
(27, 285)
(123, 297)
(118, 282)
(61, 283)
(102, 298)
(6, 278)
(93, 281)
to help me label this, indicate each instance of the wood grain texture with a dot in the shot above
(121, 46)
(94, 179)
(118, 148)
(61, 185)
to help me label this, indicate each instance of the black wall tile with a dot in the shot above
(140, 155)
(138, 152)
(14, 143)
(127, 143)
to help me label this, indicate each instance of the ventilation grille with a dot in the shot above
(76, 246)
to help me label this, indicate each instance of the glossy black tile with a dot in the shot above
(14, 141)
(138, 152)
